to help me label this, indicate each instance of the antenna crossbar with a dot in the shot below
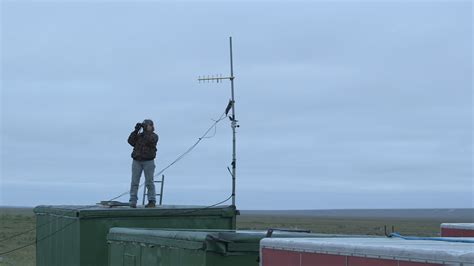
(218, 79)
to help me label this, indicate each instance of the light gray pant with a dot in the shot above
(137, 168)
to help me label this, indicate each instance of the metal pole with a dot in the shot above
(144, 194)
(234, 123)
(162, 185)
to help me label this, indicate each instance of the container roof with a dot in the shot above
(221, 241)
(96, 211)
(466, 226)
(389, 248)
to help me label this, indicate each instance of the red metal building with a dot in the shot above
(363, 252)
(457, 229)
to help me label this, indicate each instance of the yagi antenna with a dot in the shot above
(231, 106)
(213, 78)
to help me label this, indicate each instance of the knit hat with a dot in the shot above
(148, 122)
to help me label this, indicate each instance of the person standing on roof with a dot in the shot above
(144, 153)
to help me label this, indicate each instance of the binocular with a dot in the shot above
(139, 126)
(143, 125)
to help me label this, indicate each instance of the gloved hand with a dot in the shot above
(138, 126)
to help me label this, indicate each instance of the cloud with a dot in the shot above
(340, 104)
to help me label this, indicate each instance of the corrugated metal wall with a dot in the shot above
(58, 240)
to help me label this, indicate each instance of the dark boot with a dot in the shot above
(151, 204)
(133, 204)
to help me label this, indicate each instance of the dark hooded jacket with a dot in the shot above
(144, 145)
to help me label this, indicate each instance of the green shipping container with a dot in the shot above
(76, 235)
(163, 247)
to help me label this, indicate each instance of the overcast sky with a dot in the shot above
(341, 105)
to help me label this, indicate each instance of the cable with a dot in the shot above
(214, 125)
(207, 207)
(204, 136)
(19, 234)
(40, 226)
(213, 134)
(36, 241)
(15, 249)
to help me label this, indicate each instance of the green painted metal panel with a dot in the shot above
(177, 256)
(149, 256)
(76, 235)
(116, 252)
(171, 247)
(132, 256)
(56, 246)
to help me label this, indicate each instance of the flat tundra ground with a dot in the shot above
(16, 220)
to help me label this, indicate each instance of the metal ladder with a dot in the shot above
(162, 182)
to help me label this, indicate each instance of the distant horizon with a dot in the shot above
(463, 215)
(362, 209)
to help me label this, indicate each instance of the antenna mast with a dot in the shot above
(234, 121)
